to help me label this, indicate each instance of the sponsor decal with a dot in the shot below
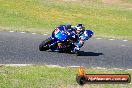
(56, 31)
(83, 78)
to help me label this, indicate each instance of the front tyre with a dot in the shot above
(44, 45)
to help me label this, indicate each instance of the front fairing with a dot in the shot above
(61, 36)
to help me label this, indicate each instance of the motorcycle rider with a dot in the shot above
(79, 34)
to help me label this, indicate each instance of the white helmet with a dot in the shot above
(80, 27)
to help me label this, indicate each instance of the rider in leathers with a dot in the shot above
(79, 34)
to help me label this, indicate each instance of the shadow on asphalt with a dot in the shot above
(82, 53)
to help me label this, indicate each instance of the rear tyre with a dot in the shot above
(44, 45)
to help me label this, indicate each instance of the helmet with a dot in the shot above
(80, 27)
(66, 26)
(89, 33)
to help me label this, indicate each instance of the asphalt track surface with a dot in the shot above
(22, 48)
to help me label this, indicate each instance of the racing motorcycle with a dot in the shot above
(61, 41)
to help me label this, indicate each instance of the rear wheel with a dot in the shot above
(44, 45)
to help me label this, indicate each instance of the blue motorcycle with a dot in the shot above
(61, 41)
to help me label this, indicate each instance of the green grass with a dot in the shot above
(106, 20)
(47, 77)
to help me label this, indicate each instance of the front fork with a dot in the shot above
(54, 44)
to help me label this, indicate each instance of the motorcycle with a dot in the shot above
(61, 41)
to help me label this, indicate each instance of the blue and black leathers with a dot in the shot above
(79, 38)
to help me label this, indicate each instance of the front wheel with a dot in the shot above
(44, 45)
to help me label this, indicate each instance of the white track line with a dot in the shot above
(98, 38)
(11, 31)
(73, 66)
(16, 64)
(33, 33)
(23, 32)
(55, 66)
(45, 34)
(100, 68)
(129, 69)
(95, 38)
(116, 68)
(111, 39)
(125, 40)
(123, 45)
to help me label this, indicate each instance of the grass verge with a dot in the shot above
(109, 19)
(47, 77)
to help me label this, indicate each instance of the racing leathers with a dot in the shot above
(79, 38)
(79, 43)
